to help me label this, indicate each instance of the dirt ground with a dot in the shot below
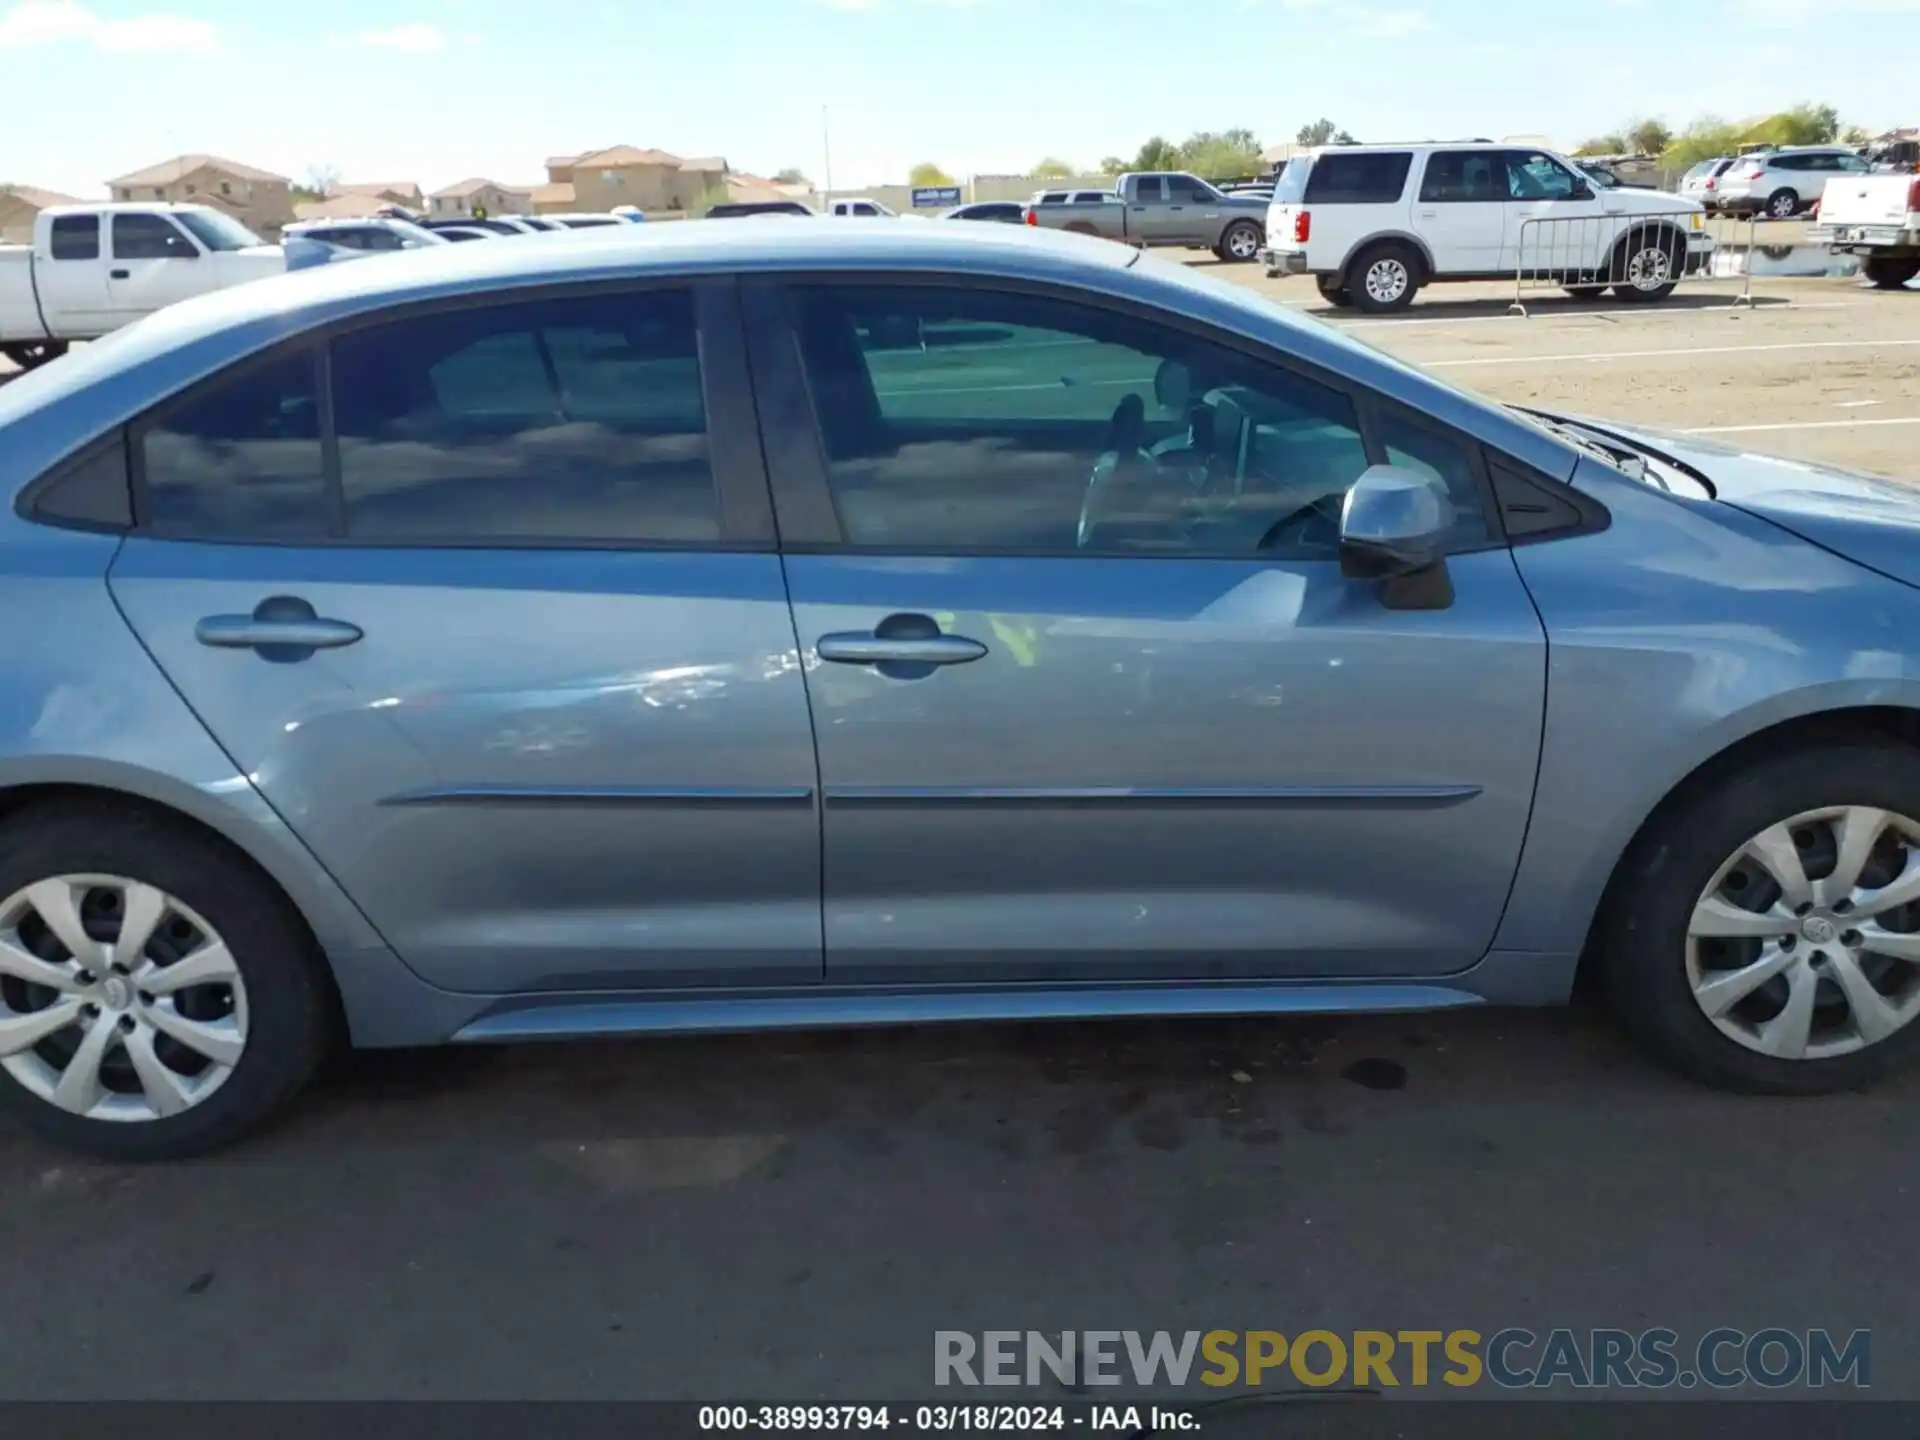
(1816, 369)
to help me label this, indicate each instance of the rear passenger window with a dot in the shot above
(1463, 177)
(239, 458)
(549, 419)
(1372, 178)
(76, 237)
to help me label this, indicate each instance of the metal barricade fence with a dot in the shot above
(1632, 253)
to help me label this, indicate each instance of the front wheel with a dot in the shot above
(1765, 936)
(1240, 244)
(1889, 274)
(157, 999)
(1384, 277)
(1783, 205)
(1649, 265)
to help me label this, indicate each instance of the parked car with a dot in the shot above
(1004, 212)
(739, 209)
(380, 677)
(1071, 197)
(461, 233)
(632, 214)
(1876, 217)
(322, 242)
(90, 269)
(1701, 183)
(858, 205)
(1605, 177)
(585, 220)
(1163, 208)
(1782, 183)
(491, 225)
(1373, 224)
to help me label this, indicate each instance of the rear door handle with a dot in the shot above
(905, 639)
(119, 274)
(243, 632)
(282, 627)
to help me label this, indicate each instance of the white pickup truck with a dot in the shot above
(93, 268)
(1876, 217)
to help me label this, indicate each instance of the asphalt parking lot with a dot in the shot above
(794, 1216)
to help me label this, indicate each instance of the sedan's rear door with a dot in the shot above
(484, 599)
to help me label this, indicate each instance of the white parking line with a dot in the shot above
(1799, 425)
(1608, 314)
(1601, 355)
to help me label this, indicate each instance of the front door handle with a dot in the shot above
(907, 641)
(119, 274)
(283, 627)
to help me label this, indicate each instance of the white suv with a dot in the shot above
(1374, 223)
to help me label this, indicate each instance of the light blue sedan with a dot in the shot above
(800, 623)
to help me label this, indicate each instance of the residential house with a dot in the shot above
(385, 192)
(20, 205)
(627, 175)
(452, 201)
(259, 199)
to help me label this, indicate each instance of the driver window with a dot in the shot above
(973, 421)
(1533, 176)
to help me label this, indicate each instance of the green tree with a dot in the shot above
(791, 175)
(1053, 168)
(1159, 153)
(1705, 139)
(1648, 137)
(1602, 145)
(1855, 135)
(1324, 132)
(706, 200)
(1221, 153)
(1112, 165)
(928, 173)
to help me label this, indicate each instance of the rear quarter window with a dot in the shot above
(1374, 178)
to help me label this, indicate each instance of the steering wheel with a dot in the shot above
(1120, 470)
(1323, 508)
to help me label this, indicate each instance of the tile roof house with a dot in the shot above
(20, 205)
(630, 175)
(396, 192)
(257, 198)
(452, 201)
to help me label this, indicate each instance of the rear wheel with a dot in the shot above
(1783, 204)
(156, 997)
(1384, 277)
(1649, 264)
(1332, 291)
(1240, 244)
(1887, 274)
(1766, 937)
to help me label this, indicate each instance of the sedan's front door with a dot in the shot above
(494, 621)
(1091, 698)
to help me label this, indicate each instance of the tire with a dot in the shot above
(1384, 277)
(1888, 274)
(1645, 946)
(1650, 249)
(1585, 292)
(1783, 204)
(31, 354)
(278, 1014)
(1332, 291)
(1240, 243)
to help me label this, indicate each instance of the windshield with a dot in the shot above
(1290, 185)
(217, 231)
(1600, 176)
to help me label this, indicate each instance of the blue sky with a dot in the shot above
(436, 90)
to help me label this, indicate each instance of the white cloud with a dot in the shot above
(1373, 24)
(473, 39)
(1792, 14)
(414, 38)
(54, 22)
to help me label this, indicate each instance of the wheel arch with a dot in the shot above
(1862, 722)
(1405, 237)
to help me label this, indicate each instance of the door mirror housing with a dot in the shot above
(1581, 191)
(1394, 524)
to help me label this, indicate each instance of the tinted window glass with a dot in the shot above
(76, 237)
(549, 419)
(380, 240)
(1149, 189)
(970, 420)
(240, 459)
(1533, 176)
(1444, 459)
(148, 237)
(1376, 178)
(1463, 176)
(1185, 188)
(1290, 185)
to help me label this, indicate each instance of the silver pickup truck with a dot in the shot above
(1164, 208)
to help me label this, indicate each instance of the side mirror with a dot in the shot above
(1581, 191)
(1394, 524)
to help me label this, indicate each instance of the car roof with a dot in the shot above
(45, 413)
